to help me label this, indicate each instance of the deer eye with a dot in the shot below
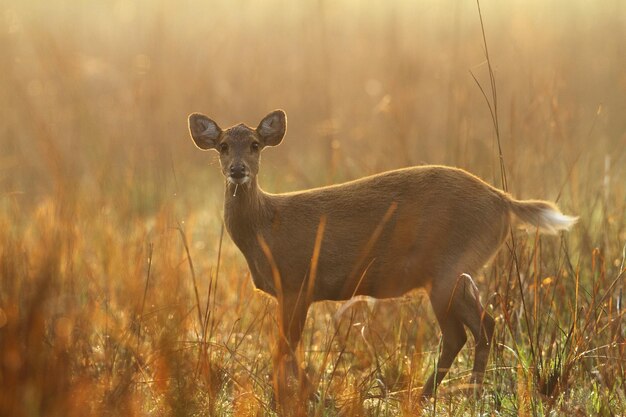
(255, 146)
(223, 147)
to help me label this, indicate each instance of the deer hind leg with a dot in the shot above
(453, 339)
(457, 306)
(471, 312)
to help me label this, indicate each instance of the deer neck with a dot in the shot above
(246, 211)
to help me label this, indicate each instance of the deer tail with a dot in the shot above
(544, 215)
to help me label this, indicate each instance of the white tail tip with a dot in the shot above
(553, 221)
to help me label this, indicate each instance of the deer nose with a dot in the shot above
(237, 171)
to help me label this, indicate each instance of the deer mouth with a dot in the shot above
(239, 180)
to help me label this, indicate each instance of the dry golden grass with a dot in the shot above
(118, 296)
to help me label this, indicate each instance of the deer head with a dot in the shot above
(239, 146)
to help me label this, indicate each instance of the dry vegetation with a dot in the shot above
(118, 296)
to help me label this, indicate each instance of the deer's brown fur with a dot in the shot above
(429, 227)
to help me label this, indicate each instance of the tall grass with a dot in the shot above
(120, 296)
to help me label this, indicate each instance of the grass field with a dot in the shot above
(118, 295)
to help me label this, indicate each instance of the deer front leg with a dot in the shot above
(291, 318)
(288, 374)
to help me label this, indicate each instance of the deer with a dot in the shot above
(429, 227)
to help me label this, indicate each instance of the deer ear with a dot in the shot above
(204, 131)
(272, 128)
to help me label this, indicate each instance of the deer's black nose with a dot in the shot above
(237, 171)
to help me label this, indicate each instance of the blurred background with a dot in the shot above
(106, 207)
(99, 91)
